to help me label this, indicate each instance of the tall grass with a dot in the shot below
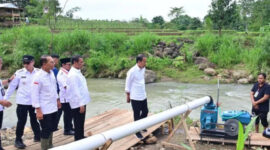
(109, 53)
(230, 50)
(105, 53)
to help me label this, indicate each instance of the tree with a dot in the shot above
(176, 12)
(221, 13)
(140, 20)
(158, 20)
(195, 23)
(70, 12)
(34, 9)
(185, 22)
(246, 10)
(208, 23)
(260, 15)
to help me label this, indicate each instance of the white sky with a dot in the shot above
(129, 9)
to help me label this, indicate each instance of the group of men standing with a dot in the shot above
(47, 92)
(43, 94)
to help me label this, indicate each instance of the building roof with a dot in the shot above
(8, 5)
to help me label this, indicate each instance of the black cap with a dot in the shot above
(65, 60)
(55, 56)
(27, 58)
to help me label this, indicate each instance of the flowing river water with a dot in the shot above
(108, 94)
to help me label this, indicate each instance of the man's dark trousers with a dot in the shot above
(67, 116)
(79, 119)
(140, 109)
(22, 111)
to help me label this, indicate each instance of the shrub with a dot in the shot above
(76, 42)
(142, 43)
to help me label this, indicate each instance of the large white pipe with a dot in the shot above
(117, 133)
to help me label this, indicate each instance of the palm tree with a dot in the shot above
(176, 12)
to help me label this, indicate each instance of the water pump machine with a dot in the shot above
(209, 121)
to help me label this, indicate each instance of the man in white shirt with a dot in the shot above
(135, 90)
(3, 103)
(45, 100)
(62, 82)
(77, 95)
(23, 80)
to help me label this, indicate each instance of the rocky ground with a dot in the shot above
(8, 135)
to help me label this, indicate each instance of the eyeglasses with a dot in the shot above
(26, 63)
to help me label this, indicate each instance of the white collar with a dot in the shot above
(76, 70)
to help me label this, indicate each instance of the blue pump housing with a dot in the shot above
(243, 116)
(209, 116)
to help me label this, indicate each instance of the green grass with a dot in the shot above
(190, 75)
(108, 53)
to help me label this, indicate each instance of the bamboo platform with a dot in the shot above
(255, 139)
(100, 123)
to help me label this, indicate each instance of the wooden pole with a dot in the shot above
(178, 125)
(107, 145)
(187, 134)
(181, 122)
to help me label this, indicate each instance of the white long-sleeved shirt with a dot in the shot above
(77, 90)
(135, 83)
(23, 80)
(44, 92)
(62, 82)
(2, 94)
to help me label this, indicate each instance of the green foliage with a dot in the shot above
(158, 20)
(260, 14)
(75, 42)
(242, 136)
(70, 12)
(185, 22)
(207, 44)
(34, 9)
(186, 146)
(266, 49)
(156, 63)
(223, 13)
(178, 62)
(228, 53)
(176, 12)
(142, 43)
(241, 140)
(103, 64)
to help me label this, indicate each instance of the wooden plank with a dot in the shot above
(256, 139)
(106, 126)
(187, 134)
(178, 125)
(95, 125)
(96, 119)
(131, 140)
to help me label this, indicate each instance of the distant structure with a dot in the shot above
(10, 15)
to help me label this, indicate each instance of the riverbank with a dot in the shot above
(192, 57)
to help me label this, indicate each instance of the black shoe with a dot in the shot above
(36, 139)
(70, 132)
(19, 144)
(139, 135)
(144, 130)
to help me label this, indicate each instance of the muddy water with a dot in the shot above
(107, 94)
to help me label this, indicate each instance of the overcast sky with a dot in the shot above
(129, 9)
